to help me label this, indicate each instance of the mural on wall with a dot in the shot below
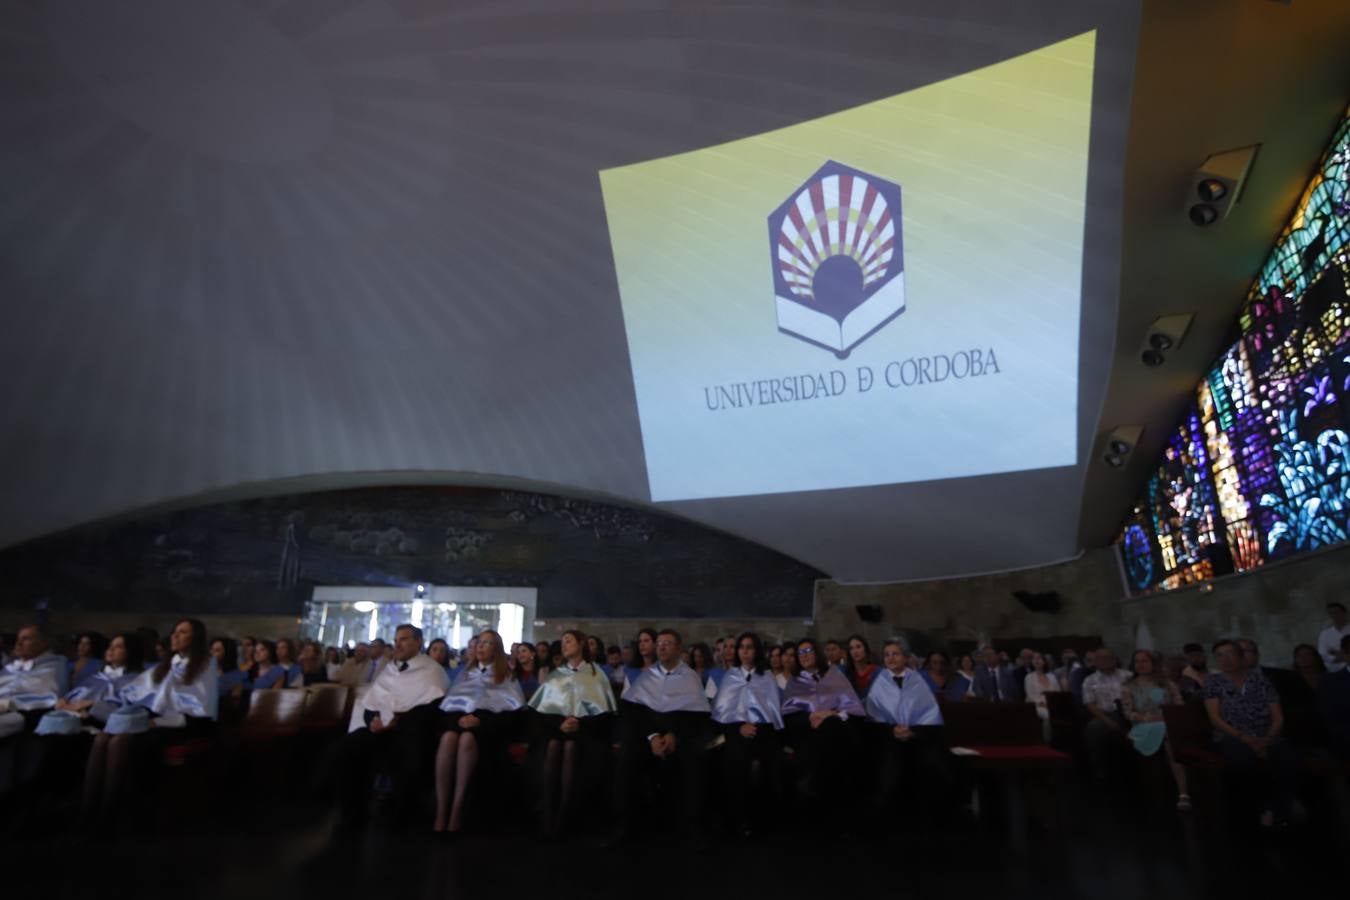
(264, 556)
(1259, 469)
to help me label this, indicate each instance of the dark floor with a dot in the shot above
(1109, 845)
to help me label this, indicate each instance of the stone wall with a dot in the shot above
(1280, 605)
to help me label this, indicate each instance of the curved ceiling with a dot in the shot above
(245, 246)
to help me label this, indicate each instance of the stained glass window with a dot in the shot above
(1259, 468)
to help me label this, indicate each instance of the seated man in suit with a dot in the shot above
(995, 680)
(393, 729)
(665, 718)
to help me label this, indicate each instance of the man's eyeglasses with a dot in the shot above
(801, 650)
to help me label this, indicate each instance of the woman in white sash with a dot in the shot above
(178, 697)
(479, 715)
(569, 728)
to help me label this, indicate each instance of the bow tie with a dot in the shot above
(899, 681)
(403, 667)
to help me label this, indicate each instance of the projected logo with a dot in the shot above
(838, 269)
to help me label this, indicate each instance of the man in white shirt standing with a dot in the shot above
(1329, 641)
(391, 731)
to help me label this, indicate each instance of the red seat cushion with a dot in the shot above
(1019, 753)
(518, 752)
(1197, 756)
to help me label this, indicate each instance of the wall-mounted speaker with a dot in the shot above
(1164, 335)
(1217, 185)
(870, 614)
(1047, 602)
(1120, 443)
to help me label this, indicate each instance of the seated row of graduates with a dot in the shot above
(666, 722)
(413, 713)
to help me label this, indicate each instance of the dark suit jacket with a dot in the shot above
(1006, 684)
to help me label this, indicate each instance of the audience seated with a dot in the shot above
(393, 730)
(88, 661)
(356, 668)
(479, 714)
(858, 666)
(310, 665)
(905, 725)
(1334, 700)
(289, 661)
(31, 682)
(569, 728)
(1142, 698)
(995, 680)
(1192, 681)
(747, 712)
(176, 700)
(848, 733)
(1244, 710)
(822, 715)
(664, 721)
(1331, 640)
(266, 673)
(1104, 735)
(788, 666)
(1038, 682)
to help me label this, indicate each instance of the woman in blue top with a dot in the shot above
(88, 660)
(266, 673)
(1142, 699)
(233, 682)
(289, 659)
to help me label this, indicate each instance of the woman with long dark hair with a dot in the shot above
(179, 694)
(858, 665)
(821, 715)
(232, 682)
(569, 730)
(97, 697)
(88, 661)
(439, 650)
(788, 668)
(700, 660)
(748, 713)
(478, 717)
(265, 672)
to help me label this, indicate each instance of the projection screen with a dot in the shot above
(837, 278)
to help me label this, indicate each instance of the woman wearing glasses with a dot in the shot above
(822, 714)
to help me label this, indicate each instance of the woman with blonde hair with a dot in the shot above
(478, 715)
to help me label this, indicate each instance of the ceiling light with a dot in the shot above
(364, 606)
(1203, 214)
(1152, 358)
(1211, 190)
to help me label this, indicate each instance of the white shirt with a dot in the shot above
(1329, 644)
(399, 688)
